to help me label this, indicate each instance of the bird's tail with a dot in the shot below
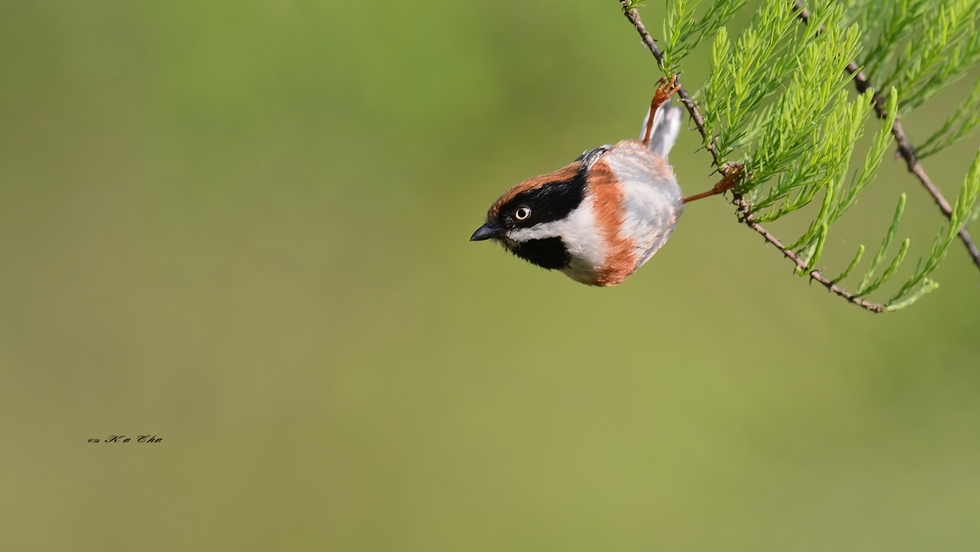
(666, 126)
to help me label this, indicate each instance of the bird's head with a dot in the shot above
(531, 218)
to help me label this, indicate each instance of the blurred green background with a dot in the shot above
(242, 227)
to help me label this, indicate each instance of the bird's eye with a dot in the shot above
(522, 213)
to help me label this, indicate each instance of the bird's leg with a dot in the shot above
(664, 91)
(732, 172)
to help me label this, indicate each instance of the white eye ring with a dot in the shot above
(522, 213)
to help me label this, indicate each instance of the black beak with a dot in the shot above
(486, 232)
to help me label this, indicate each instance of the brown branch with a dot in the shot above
(741, 205)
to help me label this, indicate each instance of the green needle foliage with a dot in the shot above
(959, 125)
(937, 54)
(684, 31)
(963, 209)
(778, 100)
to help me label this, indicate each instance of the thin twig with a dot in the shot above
(739, 202)
(743, 208)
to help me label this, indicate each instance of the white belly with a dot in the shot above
(652, 199)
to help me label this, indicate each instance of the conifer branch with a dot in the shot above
(905, 149)
(742, 207)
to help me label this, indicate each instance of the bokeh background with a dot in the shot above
(242, 227)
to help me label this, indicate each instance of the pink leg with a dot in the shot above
(732, 175)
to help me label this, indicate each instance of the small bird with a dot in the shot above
(601, 217)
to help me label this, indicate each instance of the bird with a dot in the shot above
(603, 216)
